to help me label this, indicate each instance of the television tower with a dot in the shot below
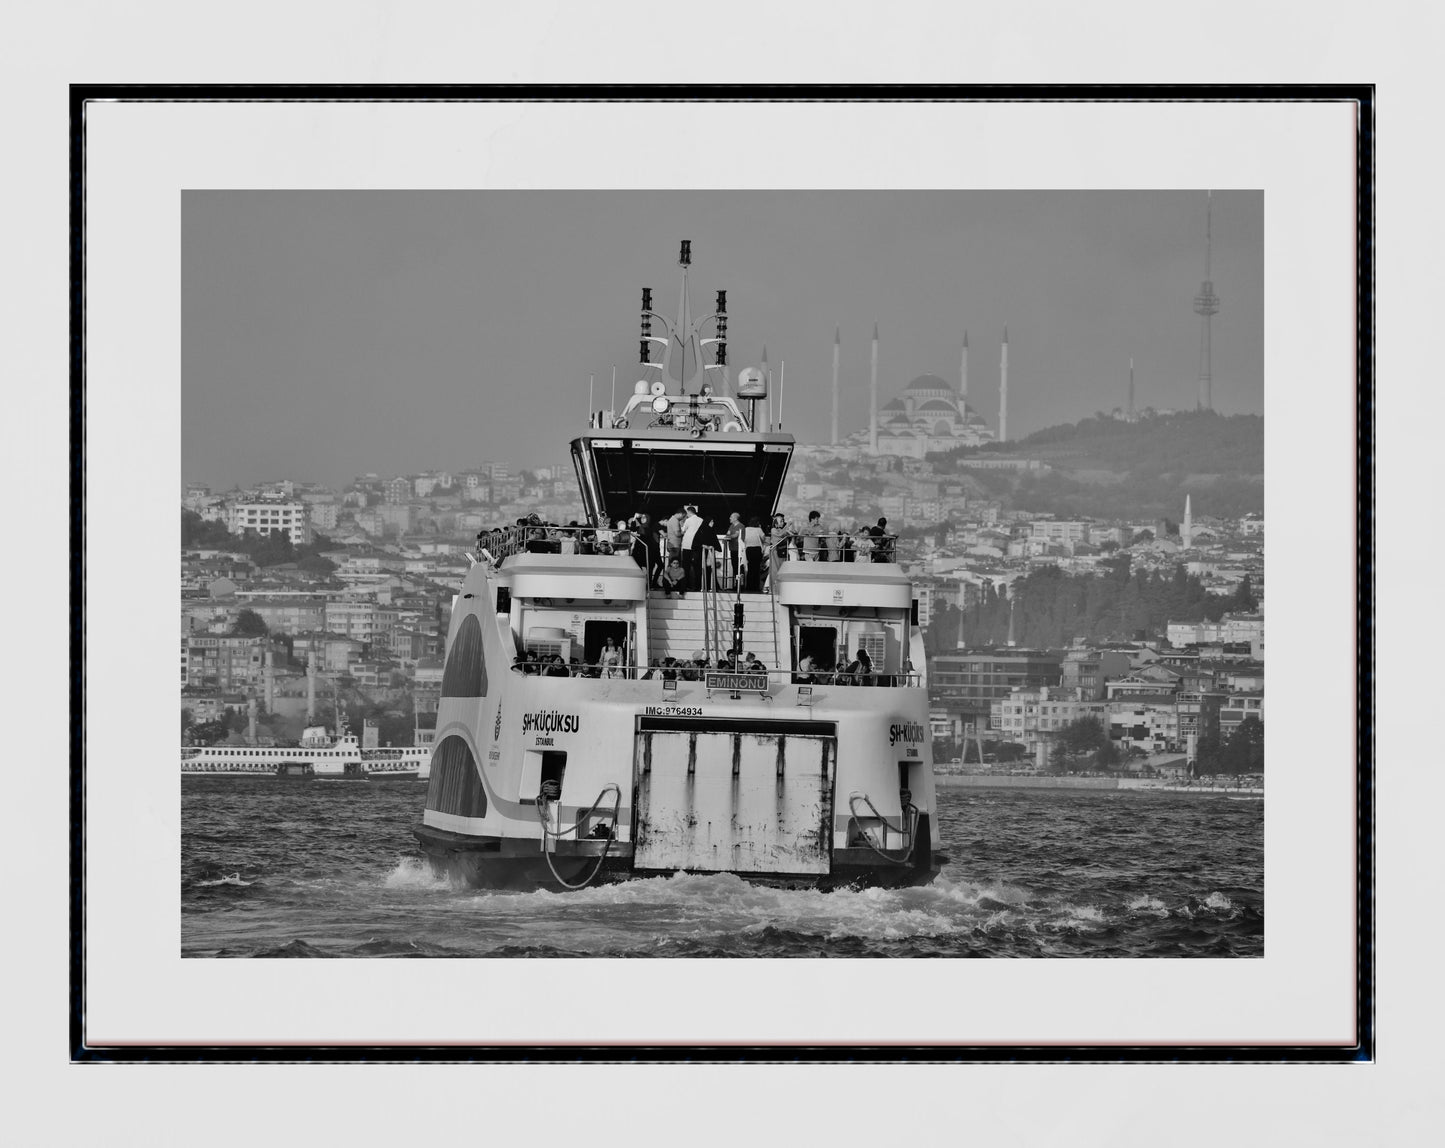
(1003, 390)
(1206, 303)
(837, 334)
(873, 397)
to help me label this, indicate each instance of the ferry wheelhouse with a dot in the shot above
(618, 767)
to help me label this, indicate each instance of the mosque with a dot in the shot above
(929, 416)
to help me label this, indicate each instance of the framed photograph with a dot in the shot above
(1050, 338)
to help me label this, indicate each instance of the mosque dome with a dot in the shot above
(928, 383)
(937, 405)
(894, 405)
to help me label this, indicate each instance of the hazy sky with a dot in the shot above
(331, 333)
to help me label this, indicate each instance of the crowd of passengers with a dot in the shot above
(610, 664)
(681, 550)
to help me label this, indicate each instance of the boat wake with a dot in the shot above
(715, 915)
(233, 879)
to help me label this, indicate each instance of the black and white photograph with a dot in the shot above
(798, 573)
(753, 579)
(788, 581)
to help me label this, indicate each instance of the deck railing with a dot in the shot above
(693, 672)
(721, 567)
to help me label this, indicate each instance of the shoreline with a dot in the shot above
(1118, 784)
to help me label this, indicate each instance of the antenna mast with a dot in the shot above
(1206, 304)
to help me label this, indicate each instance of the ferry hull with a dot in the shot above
(513, 865)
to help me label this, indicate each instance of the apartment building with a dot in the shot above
(217, 661)
(1035, 716)
(267, 516)
(965, 685)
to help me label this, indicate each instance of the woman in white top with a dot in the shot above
(611, 660)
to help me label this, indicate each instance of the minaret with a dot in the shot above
(1131, 390)
(251, 720)
(837, 334)
(1186, 536)
(1206, 303)
(311, 688)
(873, 398)
(270, 677)
(1003, 391)
(963, 378)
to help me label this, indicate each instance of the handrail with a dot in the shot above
(909, 810)
(550, 792)
(680, 671)
(513, 538)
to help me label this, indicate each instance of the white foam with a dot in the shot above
(414, 873)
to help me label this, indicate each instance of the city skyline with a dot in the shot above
(328, 334)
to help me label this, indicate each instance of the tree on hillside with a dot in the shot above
(270, 549)
(197, 533)
(1244, 751)
(209, 732)
(249, 624)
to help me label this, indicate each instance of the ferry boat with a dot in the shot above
(568, 753)
(317, 754)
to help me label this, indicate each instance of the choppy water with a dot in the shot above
(329, 869)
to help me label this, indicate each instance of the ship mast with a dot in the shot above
(684, 338)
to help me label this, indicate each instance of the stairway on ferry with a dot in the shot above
(680, 627)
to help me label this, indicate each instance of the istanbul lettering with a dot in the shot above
(905, 731)
(551, 721)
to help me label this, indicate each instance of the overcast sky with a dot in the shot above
(331, 333)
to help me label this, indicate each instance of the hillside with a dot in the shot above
(1104, 468)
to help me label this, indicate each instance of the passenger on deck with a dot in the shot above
(622, 538)
(752, 544)
(674, 535)
(734, 553)
(674, 578)
(861, 669)
(692, 541)
(611, 660)
(804, 676)
(882, 542)
(556, 668)
(812, 539)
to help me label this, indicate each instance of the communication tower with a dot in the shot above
(1206, 304)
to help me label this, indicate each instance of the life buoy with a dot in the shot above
(732, 426)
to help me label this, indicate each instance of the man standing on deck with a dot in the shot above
(812, 536)
(674, 536)
(692, 548)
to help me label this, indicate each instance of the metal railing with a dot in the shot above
(688, 670)
(538, 537)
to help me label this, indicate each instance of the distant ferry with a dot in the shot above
(604, 765)
(317, 754)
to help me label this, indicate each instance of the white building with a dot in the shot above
(267, 516)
